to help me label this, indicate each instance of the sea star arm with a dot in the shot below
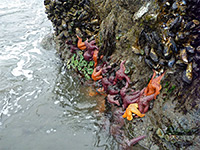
(135, 140)
(90, 46)
(81, 45)
(111, 100)
(95, 57)
(132, 108)
(96, 75)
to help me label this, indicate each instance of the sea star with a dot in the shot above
(105, 83)
(132, 108)
(129, 98)
(154, 85)
(143, 103)
(120, 75)
(88, 55)
(113, 90)
(111, 100)
(81, 45)
(90, 45)
(134, 140)
(96, 75)
(95, 57)
(73, 48)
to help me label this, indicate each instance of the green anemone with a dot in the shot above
(73, 66)
(91, 64)
(79, 68)
(80, 53)
(83, 71)
(87, 76)
(127, 71)
(80, 64)
(85, 68)
(89, 70)
(72, 58)
(75, 63)
(84, 62)
(81, 58)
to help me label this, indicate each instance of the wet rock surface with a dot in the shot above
(173, 122)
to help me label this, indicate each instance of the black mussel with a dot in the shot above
(171, 62)
(198, 49)
(190, 57)
(162, 62)
(196, 68)
(84, 15)
(46, 2)
(173, 46)
(58, 23)
(65, 34)
(197, 57)
(159, 49)
(147, 49)
(167, 52)
(186, 33)
(175, 24)
(189, 48)
(61, 35)
(155, 37)
(181, 63)
(174, 6)
(151, 64)
(188, 25)
(183, 55)
(64, 25)
(191, 25)
(196, 22)
(187, 74)
(94, 22)
(179, 37)
(153, 55)
(182, 2)
(58, 2)
(142, 39)
(147, 37)
(171, 34)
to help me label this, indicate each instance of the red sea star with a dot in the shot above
(121, 75)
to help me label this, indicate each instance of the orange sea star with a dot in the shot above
(95, 57)
(81, 45)
(96, 75)
(132, 108)
(154, 86)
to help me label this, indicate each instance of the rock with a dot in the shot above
(48, 42)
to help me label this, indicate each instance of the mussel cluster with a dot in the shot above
(176, 39)
(71, 17)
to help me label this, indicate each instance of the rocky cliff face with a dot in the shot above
(159, 35)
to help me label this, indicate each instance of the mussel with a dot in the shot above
(153, 55)
(183, 55)
(167, 52)
(151, 64)
(171, 62)
(189, 48)
(187, 74)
